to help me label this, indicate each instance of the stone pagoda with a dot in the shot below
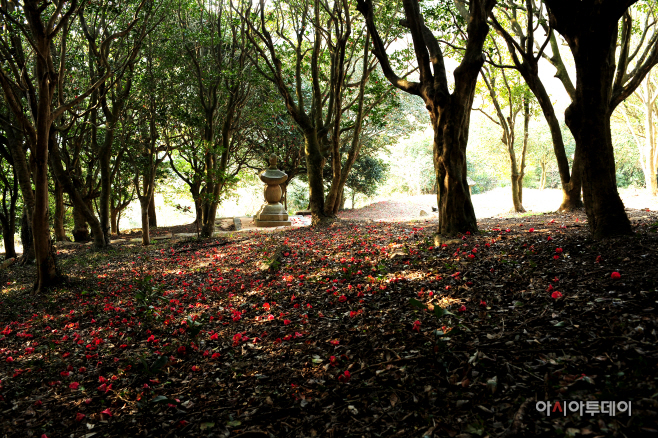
(272, 213)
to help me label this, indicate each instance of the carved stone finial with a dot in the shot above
(273, 161)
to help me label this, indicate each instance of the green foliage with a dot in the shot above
(148, 295)
(627, 160)
(367, 175)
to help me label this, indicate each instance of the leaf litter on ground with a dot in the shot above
(359, 329)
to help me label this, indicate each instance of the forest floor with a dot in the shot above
(305, 333)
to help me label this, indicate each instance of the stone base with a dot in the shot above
(269, 224)
(272, 213)
(272, 217)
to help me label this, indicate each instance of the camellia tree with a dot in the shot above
(320, 65)
(449, 111)
(525, 50)
(505, 96)
(34, 84)
(210, 43)
(640, 113)
(604, 79)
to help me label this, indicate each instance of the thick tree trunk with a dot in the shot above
(144, 202)
(588, 118)
(8, 239)
(114, 223)
(153, 221)
(80, 230)
(209, 224)
(342, 199)
(60, 233)
(652, 182)
(314, 167)
(47, 272)
(450, 124)
(82, 212)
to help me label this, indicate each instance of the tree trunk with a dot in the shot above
(314, 167)
(47, 272)
(571, 185)
(571, 199)
(23, 174)
(542, 180)
(356, 143)
(524, 149)
(649, 165)
(209, 224)
(353, 194)
(144, 202)
(60, 233)
(8, 217)
(118, 219)
(114, 223)
(106, 182)
(153, 221)
(80, 230)
(8, 238)
(588, 118)
(652, 182)
(82, 212)
(27, 241)
(450, 125)
(517, 196)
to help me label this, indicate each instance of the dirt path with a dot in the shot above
(495, 203)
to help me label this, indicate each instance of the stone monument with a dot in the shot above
(272, 213)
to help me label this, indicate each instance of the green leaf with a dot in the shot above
(159, 399)
(440, 311)
(159, 363)
(233, 423)
(204, 426)
(415, 303)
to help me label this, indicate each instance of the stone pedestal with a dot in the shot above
(272, 213)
